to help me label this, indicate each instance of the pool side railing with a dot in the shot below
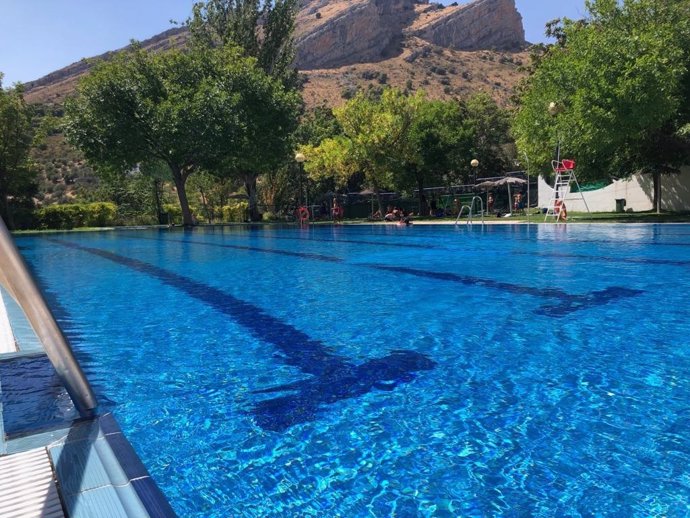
(18, 281)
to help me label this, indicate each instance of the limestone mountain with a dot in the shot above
(332, 34)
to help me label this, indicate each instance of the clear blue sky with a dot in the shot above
(40, 36)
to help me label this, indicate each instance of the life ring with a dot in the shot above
(303, 214)
(337, 212)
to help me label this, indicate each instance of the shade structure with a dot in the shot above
(507, 181)
(510, 180)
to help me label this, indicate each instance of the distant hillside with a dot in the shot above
(342, 46)
(332, 34)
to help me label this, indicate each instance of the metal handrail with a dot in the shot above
(469, 210)
(20, 284)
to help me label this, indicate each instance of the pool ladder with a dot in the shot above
(470, 212)
(17, 279)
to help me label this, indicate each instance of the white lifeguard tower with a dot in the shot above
(565, 174)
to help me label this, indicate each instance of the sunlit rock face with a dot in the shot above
(342, 32)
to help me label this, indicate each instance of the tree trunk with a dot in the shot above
(250, 187)
(379, 201)
(657, 191)
(157, 200)
(204, 202)
(180, 180)
(5, 212)
(423, 206)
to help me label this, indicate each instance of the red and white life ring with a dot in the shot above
(338, 212)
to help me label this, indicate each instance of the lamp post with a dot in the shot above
(300, 158)
(555, 109)
(527, 171)
(475, 163)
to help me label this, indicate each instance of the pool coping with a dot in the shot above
(97, 471)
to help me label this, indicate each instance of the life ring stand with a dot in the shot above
(303, 214)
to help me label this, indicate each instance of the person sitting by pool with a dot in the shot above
(490, 203)
(390, 214)
(405, 218)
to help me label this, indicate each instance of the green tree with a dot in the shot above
(619, 82)
(263, 30)
(17, 176)
(317, 125)
(188, 110)
(439, 140)
(378, 130)
(489, 125)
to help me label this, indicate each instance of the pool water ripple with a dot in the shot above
(524, 413)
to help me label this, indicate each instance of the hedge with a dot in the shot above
(73, 215)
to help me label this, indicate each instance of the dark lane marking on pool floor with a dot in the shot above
(321, 240)
(301, 255)
(568, 303)
(333, 377)
(638, 260)
(631, 260)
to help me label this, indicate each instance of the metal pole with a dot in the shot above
(20, 284)
(528, 199)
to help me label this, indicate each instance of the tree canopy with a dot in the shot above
(262, 29)
(408, 142)
(201, 109)
(619, 84)
(17, 177)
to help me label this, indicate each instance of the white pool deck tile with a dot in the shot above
(27, 486)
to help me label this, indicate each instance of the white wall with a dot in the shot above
(637, 191)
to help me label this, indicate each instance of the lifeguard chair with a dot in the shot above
(565, 174)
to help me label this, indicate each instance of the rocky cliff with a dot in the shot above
(342, 32)
(332, 34)
(483, 24)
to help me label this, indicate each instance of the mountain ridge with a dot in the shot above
(331, 34)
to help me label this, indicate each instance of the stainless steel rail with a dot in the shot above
(470, 208)
(17, 279)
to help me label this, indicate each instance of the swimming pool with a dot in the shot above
(390, 371)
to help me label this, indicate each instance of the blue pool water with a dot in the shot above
(390, 371)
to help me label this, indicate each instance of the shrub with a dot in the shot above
(174, 213)
(71, 215)
(235, 211)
